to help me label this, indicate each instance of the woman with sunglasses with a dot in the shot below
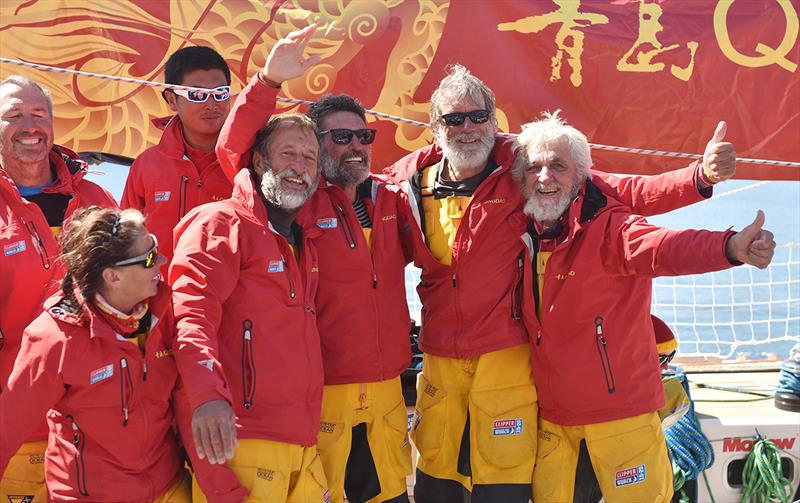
(98, 363)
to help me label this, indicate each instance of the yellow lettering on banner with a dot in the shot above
(769, 55)
(639, 57)
(569, 38)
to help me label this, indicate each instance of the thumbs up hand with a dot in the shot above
(752, 245)
(719, 158)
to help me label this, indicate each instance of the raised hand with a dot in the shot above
(286, 60)
(752, 245)
(719, 158)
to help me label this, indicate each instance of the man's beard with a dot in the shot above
(277, 194)
(344, 174)
(543, 210)
(476, 155)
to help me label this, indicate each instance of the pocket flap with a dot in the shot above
(428, 394)
(497, 402)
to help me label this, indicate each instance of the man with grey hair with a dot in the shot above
(476, 415)
(244, 276)
(41, 184)
(588, 269)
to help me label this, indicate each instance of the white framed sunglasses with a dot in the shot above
(223, 94)
(148, 259)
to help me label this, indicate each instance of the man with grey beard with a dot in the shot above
(244, 276)
(588, 271)
(362, 314)
(476, 414)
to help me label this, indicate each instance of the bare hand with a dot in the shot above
(753, 245)
(214, 431)
(719, 158)
(285, 60)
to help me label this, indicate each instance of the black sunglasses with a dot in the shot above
(458, 118)
(345, 136)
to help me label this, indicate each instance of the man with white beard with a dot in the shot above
(244, 276)
(589, 266)
(476, 414)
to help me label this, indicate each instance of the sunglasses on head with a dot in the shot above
(345, 136)
(202, 96)
(148, 259)
(458, 118)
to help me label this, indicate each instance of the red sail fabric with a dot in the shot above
(653, 74)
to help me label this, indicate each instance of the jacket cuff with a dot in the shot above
(728, 235)
(700, 180)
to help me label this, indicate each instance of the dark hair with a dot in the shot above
(339, 103)
(95, 238)
(193, 58)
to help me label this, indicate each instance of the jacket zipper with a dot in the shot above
(346, 229)
(39, 244)
(182, 196)
(516, 296)
(77, 441)
(248, 364)
(602, 350)
(125, 388)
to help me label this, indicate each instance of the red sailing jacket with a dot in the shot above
(110, 417)
(594, 356)
(164, 185)
(362, 313)
(29, 266)
(246, 326)
(474, 306)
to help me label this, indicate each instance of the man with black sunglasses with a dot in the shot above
(182, 171)
(475, 424)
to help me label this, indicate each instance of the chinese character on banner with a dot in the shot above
(569, 37)
(639, 57)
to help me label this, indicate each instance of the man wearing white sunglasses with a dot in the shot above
(181, 172)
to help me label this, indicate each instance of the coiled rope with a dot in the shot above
(382, 115)
(689, 448)
(762, 477)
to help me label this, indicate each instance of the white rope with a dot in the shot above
(381, 115)
(740, 189)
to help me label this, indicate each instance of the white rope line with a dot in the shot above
(740, 189)
(381, 115)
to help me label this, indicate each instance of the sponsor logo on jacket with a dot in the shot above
(389, 217)
(14, 248)
(630, 476)
(327, 223)
(101, 374)
(505, 427)
(163, 196)
(20, 498)
(275, 266)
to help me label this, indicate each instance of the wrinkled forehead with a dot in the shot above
(461, 101)
(549, 149)
(294, 135)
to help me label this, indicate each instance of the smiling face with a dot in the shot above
(201, 120)
(344, 165)
(26, 130)
(289, 174)
(550, 181)
(466, 146)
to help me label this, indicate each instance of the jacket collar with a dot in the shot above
(68, 168)
(63, 310)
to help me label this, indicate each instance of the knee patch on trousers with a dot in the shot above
(365, 484)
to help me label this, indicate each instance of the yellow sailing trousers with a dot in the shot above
(363, 432)
(496, 390)
(629, 458)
